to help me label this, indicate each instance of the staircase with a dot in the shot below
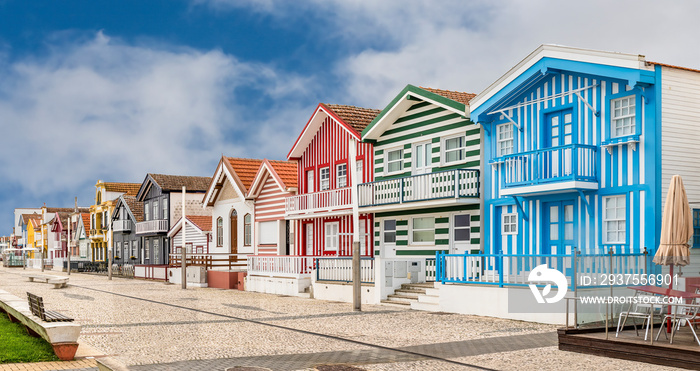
(413, 295)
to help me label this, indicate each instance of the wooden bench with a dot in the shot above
(36, 305)
(63, 336)
(57, 281)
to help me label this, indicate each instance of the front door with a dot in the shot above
(558, 132)
(309, 238)
(559, 230)
(422, 158)
(234, 234)
(461, 233)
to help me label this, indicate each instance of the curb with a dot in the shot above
(110, 364)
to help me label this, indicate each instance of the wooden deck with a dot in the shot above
(683, 353)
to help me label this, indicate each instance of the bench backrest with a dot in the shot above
(36, 305)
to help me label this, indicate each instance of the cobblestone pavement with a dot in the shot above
(153, 325)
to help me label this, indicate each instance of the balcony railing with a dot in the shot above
(443, 184)
(318, 201)
(152, 226)
(272, 266)
(123, 226)
(573, 162)
(339, 269)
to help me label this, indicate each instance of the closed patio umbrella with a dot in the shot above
(676, 227)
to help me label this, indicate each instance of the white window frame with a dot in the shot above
(619, 121)
(387, 162)
(219, 232)
(412, 230)
(156, 249)
(324, 184)
(509, 223)
(165, 209)
(427, 158)
(468, 228)
(385, 231)
(344, 168)
(359, 168)
(147, 211)
(310, 181)
(155, 209)
(499, 151)
(444, 150)
(331, 243)
(608, 219)
(268, 232)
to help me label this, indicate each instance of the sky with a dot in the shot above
(113, 90)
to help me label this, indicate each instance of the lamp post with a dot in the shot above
(183, 249)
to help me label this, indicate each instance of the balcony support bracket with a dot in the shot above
(520, 207)
(589, 208)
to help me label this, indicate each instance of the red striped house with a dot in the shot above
(322, 211)
(274, 181)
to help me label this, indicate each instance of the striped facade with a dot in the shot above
(571, 181)
(269, 205)
(326, 140)
(198, 239)
(418, 124)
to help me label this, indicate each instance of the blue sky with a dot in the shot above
(115, 89)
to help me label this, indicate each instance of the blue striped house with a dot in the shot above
(579, 147)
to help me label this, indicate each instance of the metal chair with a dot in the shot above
(684, 314)
(643, 309)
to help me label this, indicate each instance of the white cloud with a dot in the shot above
(103, 109)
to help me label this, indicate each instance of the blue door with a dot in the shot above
(559, 232)
(558, 132)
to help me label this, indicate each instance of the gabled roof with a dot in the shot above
(240, 172)
(200, 222)
(454, 101)
(173, 183)
(352, 119)
(133, 207)
(283, 172)
(86, 223)
(66, 209)
(554, 58)
(27, 217)
(130, 189)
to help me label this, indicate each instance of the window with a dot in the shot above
(341, 175)
(118, 252)
(267, 232)
(325, 178)
(220, 232)
(505, 141)
(696, 228)
(146, 249)
(147, 211)
(454, 149)
(331, 235)
(509, 223)
(165, 209)
(622, 116)
(423, 230)
(422, 158)
(155, 209)
(309, 181)
(461, 225)
(104, 219)
(614, 219)
(394, 161)
(360, 172)
(390, 231)
(247, 230)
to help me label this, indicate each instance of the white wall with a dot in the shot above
(222, 208)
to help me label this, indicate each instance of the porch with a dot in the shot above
(556, 169)
(443, 187)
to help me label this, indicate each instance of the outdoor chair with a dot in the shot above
(643, 309)
(685, 315)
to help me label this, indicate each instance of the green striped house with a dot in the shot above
(427, 162)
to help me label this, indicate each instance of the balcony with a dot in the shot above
(549, 170)
(96, 232)
(122, 226)
(447, 186)
(325, 201)
(152, 227)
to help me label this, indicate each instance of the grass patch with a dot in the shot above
(16, 346)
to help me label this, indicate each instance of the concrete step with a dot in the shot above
(418, 286)
(398, 304)
(409, 292)
(428, 299)
(432, 292)
(304, 295)
(402, 298)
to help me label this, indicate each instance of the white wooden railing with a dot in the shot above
(340, 269)
(442, 184)
(564, 163)
(121, 225)
(152, 226)
(318, 201)
(267, 265)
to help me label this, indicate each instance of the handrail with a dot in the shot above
(534, 151)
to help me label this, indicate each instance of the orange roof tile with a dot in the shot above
(86, 223)
(456, 96)
(287, 171)
(130, 189)
(202, 222)
(357, 117)
(672, 66)
(245, 169)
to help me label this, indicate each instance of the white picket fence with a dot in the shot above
(339, 269)
(283, 265)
